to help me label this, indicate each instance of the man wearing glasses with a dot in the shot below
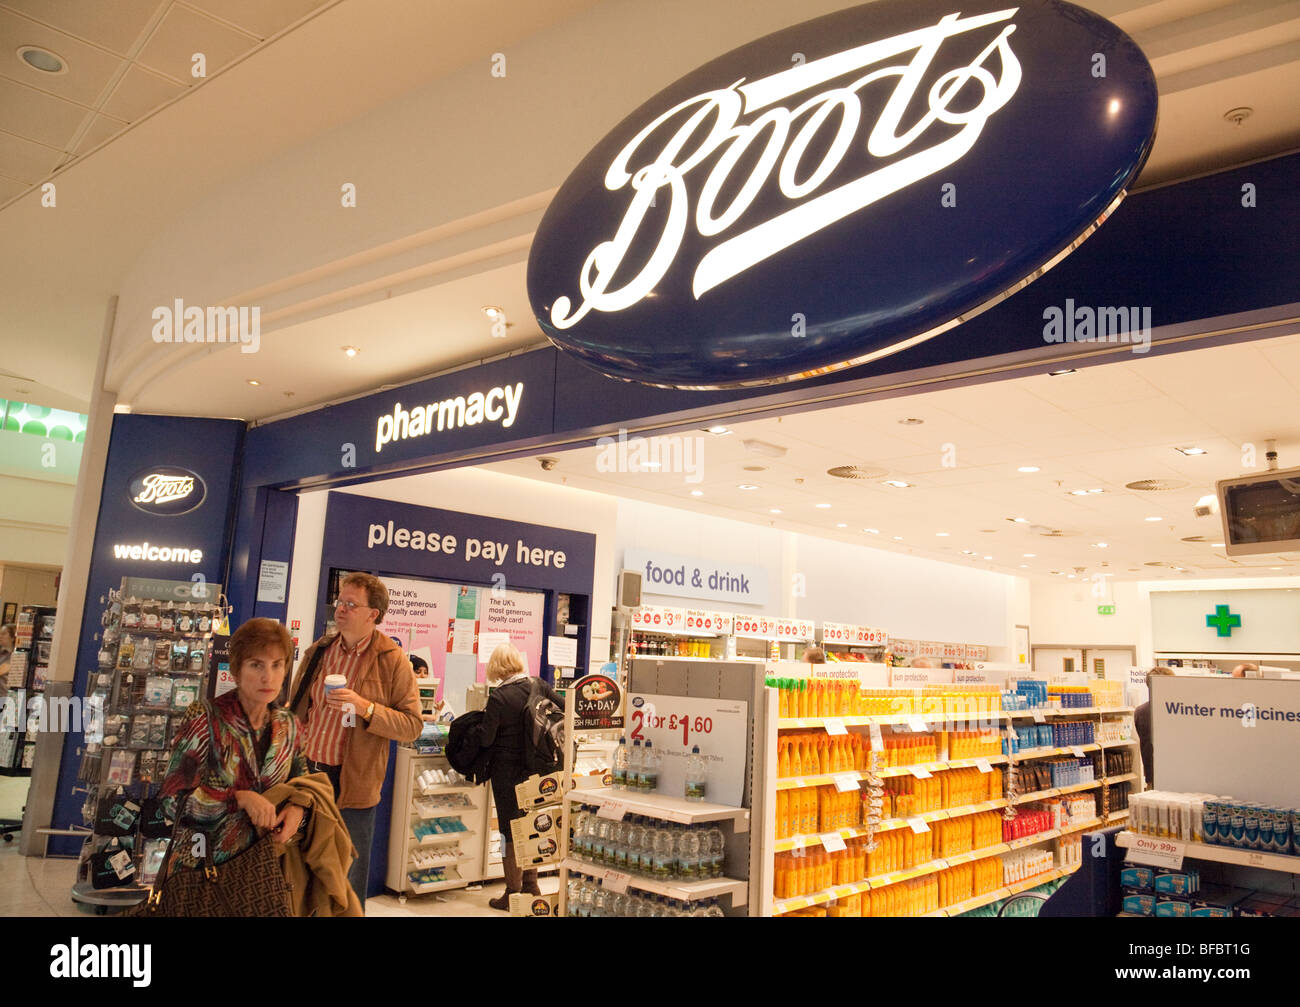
(349, 727)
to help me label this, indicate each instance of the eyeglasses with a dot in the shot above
(348, 605)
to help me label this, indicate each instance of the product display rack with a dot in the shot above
(1010, 802)
(154, 660)
(1282, 863)
(456, 857)
(29, 668)
(680, 677)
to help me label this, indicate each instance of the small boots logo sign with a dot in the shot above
(166, 490)
(841, 190)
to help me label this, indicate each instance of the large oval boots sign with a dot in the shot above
(841, 190)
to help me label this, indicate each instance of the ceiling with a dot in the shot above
(1099, 428)
(57, 273)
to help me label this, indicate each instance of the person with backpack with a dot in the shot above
(507, 733)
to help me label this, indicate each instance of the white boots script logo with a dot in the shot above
(660, 175)
(158, 488)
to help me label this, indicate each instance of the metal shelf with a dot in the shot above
(1004, 893)
(1222, 854)
(1124, 778)
(1113, 744)
(663, 806)
(438, 838)
(686, 891)
(1074, 788)
(1043, 753)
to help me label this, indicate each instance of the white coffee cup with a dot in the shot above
(333, 682)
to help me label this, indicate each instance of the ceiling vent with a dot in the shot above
(1195, 538)
(856, 472)
(1155, 562)
(1148, 485)
(755, 468)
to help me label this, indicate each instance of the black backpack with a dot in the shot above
(463, 750)
(543, 730)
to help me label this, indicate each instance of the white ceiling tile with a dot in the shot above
(115, 25)
(138, 93)
(88, 69)
(9, 188)
(38, 116)
(25, 160)
(262, 18)
(100, 130)
(183, 33)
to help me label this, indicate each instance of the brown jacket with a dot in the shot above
(316, 866)
(387, 679)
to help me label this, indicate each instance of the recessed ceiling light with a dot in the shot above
(1275, 568)
(941, 534)
(1057, 374)
(1097, 491)
(1027, 468)
(1216, 545)
(968, 552)
(775, 510)
(1192, 451)
(872, 531)
(350, 351)
(1154, 519)
(717, 431)
(911, 421)
(697, 493)
(747, 486)
(823, 506)
(42, 59)
(841, 525)
(1024, 566)
(988, 557)
(1070, 576)
(1100, 545)
(898, 538)
(1028, 555)
(493, 312)
(1018, 520)
(898, 484)
(254, 382)
(1056, 573)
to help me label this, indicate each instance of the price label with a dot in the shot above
(835, 725)
(845, 782)
(983, 765)
(613, 810)
(920, 772)
(1255, 860)
(877, 739)
(615, 881)
(1076, 751)
(918, 824)
(1157, 852)
(833, 842)
(918, 723)
(1039, 718)
(797, 843)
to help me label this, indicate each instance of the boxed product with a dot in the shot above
(1172, 905)
(523, 904)
(1176, 881)
(536, 823)
(1137, 878)
(1216, 902)
(1139, 903)
(537, 852)
(538, 790)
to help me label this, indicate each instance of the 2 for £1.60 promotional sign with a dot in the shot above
(676, 723)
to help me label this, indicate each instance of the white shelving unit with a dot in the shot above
(1222, 854)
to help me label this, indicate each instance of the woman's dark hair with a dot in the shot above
(255, 636)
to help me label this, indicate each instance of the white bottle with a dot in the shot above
(697, 775)
(688, 854)
(620, 765)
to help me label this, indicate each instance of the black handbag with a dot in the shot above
(112, 867)
(117, 814)
(248, 884)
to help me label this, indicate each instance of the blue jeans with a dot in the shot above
(360, 823)
(361, 827)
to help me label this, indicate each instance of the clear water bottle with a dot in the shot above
(634, 839)
(619, 832)
(620, 765)
(572, 891)
(600, 842)
(715, 846)
(634, 760)
(586, 901)
(579, 832)
(714, 909)
(648, 775)
(697, 775)
(688, 855)
(665, 854)
(617, 905)
(600, 904)
(647, 865)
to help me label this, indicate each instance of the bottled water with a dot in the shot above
(648, 775)
(634, 839)
(647, 865)
(586, 901)
(634, 761)
(688, 855)
(714, 909)
(580, 825)
(665, 854)
(600, 845)
(715, 846)
(619, 832)
(620, 765)
(697, 775)
(618, 904)
(600, 904)
(572, 892)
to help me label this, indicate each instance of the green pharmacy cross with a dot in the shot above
(1223, 620)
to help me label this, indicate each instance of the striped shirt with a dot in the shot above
(326, 733)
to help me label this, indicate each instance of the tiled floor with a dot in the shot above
(31, 886)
